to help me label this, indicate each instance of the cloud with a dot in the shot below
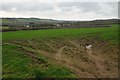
(103, 8)
(60, 10)
(27, 6)
(60, 1)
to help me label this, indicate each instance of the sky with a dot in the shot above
(60, 9)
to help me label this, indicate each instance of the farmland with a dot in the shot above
(61, 53)
(15, 24)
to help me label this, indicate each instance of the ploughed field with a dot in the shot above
(61, 53)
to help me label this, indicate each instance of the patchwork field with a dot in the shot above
(61, 53)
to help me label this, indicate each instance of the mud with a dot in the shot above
(99, 61)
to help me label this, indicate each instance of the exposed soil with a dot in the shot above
(100, 61)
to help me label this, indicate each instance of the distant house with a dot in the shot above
(27, 26)
(58, 25)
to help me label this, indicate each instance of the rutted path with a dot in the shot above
(58, 54)
(66, 62)
(69, 55)
(98, 61)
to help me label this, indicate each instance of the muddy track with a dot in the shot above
(98, 62)
(59, 53)
(66, 62)
(76, 63)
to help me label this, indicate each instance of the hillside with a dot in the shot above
(61, 53)
(12, 24)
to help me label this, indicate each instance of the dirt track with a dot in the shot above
(73, 55)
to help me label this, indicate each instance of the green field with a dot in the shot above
(4, 28)
(109, 34)
(30, 54)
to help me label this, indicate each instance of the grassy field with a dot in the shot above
(4, 28)
(30, 54)
(109, 34)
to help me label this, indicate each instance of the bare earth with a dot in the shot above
(98, 62)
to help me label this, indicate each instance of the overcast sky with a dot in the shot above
(60, 9)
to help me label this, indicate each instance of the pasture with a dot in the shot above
(61, 53)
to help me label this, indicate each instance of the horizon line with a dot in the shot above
(63, 19)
